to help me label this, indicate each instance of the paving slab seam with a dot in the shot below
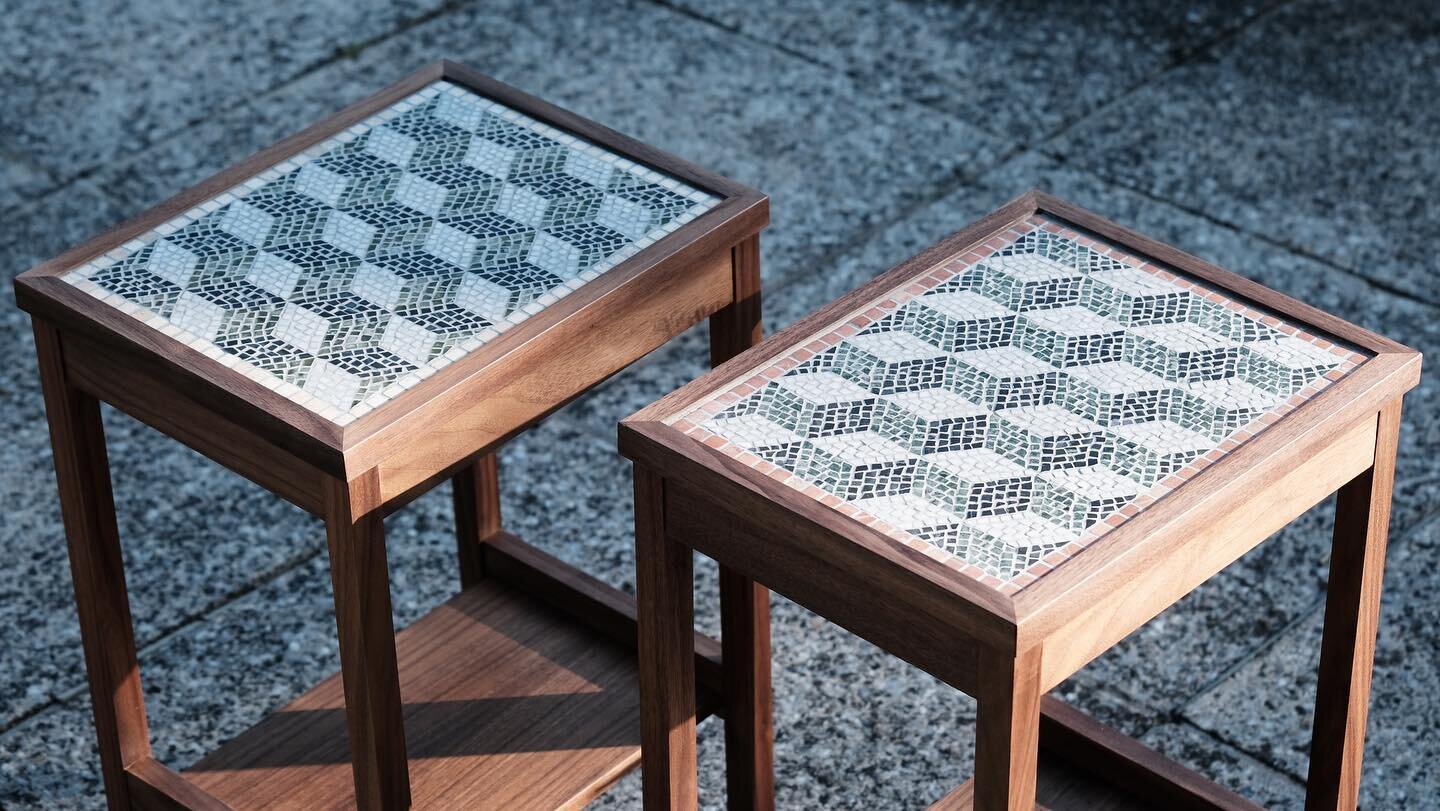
(1187, 56)
(196, 618)
(1181, 712)
(340, 53)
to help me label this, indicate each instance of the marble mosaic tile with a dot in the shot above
(347, 274)
(1013, 405)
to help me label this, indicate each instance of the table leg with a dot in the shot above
(665, 598)
(356, 534)
(745, 605)
(1007, 731)
(1352, 618)
(476, 491)
(97, 568)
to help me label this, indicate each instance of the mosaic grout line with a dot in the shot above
(350, 272)
(1008, 408)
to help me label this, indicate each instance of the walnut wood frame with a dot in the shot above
(1009, 650)
(447, 427)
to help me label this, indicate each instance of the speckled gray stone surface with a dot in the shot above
(1401, 749)
(230, 588)
(1021, 70)
(88, 82)
(1316, 125)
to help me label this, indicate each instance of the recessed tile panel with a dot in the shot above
(1017, 402)
(349, 273)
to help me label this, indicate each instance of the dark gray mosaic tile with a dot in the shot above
(1018, 69)
(90, 81)
(1314, 127)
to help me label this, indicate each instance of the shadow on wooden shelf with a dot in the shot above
(510, 701)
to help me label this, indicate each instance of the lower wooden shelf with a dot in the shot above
(510, 702)
(1087, 766)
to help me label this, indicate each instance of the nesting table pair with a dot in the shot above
(994, 461)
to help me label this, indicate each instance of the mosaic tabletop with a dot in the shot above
(1015, 403)
(349, 273)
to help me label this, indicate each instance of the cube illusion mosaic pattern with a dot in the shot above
(349, 273)
(1018, 401)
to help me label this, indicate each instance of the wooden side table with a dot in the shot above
(363, 311)
(997, 460)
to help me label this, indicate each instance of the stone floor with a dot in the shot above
(1290, 141)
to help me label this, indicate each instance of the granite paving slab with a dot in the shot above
(835, 158)
(1275, 723)
(1316, 126)
(1020, 70)
(21, 182)
(90, 81)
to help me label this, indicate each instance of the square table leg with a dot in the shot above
(1352, 618)
(665, 601)
(87, 505)
(356, 532)
(476, 492)
(1007, 730)
(744, 604)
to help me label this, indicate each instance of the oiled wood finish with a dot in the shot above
(1352, 619)
(665, 597)
(87, 507)
(1007, 731)
(509, 703)
(475, 491)
(1222, 525)
(744, 604)
(356, 535)
(140, 392)
(154, 787)
(531, 379)
(772, 546)
(596, 605)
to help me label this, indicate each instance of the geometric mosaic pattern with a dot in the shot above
(348, 273)
(1019, 401)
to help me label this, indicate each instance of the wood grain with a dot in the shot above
(665, 598)
(475, 492)
(154, 787)
(588, 601)
(92, 367)
(1007, 730)
(509, 703)
(1221, 527)
(356, 534)
(534, 379)
(745, 604)
(1352, 619)
(97, 568)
